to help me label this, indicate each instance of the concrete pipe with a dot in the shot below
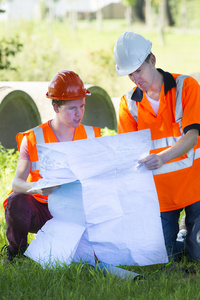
(99, 109)
(196, 76)
(18, 112)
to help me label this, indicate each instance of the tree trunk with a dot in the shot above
(183, 14)
(169, 15)
(139, 7)
(51, 11)
(99, 19)
(161, 21)
(148, 14)
(128, 17)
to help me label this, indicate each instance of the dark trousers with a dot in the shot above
(171, 227)
(24, 214)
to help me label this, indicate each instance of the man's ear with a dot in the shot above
(55, 107)
(153, 59)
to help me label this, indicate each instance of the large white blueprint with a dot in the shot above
(105, 205)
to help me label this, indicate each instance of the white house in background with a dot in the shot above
(30, 9)
(110, 8)
(20, 9)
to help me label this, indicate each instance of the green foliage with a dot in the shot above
(103, 58)
(8, 160)
(43, 8)
(8, 163)
(185, 13)
(104, 66)
(8, 48)
(155, 3)
(106, 131)
(129, 2)
(49, 48)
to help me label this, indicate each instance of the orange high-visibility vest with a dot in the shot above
(178, 181)
(44, 134)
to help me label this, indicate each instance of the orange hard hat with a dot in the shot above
(66, 85)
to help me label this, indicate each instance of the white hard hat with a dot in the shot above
(130, 51)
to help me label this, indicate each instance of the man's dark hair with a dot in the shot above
(148, 58)
(59, 102)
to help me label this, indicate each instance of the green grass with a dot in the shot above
(26, 279)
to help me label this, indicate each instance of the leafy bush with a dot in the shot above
(8, 163)
(8, 160)
(106, 131)
(8, 49)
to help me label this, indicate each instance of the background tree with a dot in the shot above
(9, 48)
(148, 14)
(185, 13)
(99, 15)
(130, 4)
(160, 9)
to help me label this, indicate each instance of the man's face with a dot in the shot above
(71, 113)
(144, 75)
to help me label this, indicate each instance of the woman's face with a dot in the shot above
(71, 113)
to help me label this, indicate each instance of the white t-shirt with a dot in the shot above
(154, 104)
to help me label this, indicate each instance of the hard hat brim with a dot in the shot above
(126, 72)
(80, 96)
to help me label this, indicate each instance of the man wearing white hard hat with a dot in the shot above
(168, 104)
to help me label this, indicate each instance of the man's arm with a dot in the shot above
(182, 146)
(20, 185)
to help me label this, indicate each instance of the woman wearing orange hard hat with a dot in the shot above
(27, 212)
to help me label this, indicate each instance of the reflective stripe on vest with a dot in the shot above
(89, 131)
(39, 136)
(169, 141)
(132, 106)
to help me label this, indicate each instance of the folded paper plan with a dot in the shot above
(104, 206)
